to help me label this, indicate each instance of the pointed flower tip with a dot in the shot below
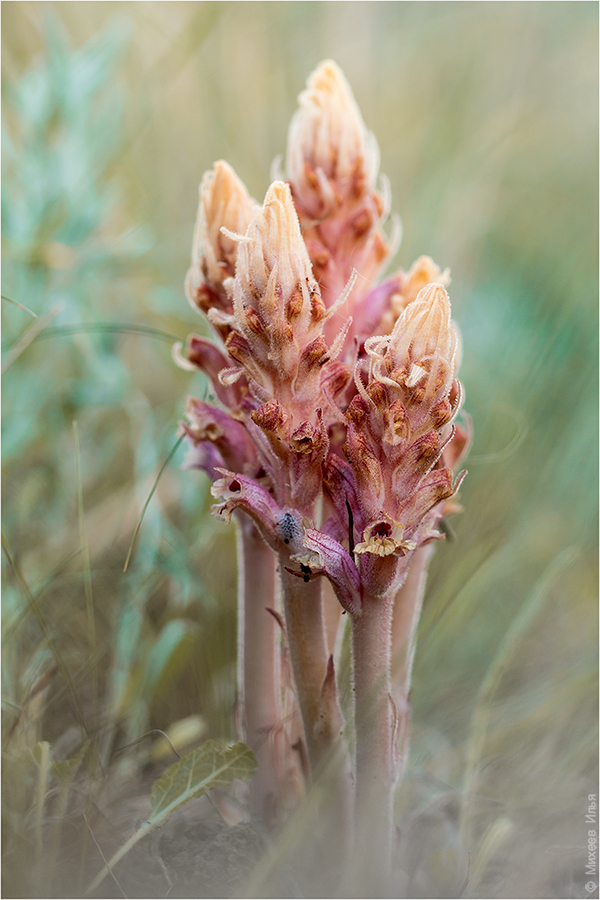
(433, 294)
(275, 241)
(330, 152)
(224, 211)
(279, 191)
(327, 78)
(426, 321)
(280, 216)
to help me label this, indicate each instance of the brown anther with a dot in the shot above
(378, 394)
(398, 420)
(253, 320)
(358, 410)
(305, 439)
(312, 355)
(417, 395)
(441, 413)
(294, 305)
(429, 446)
(318, 309)
(399, 375)
(270, 417)
(362, 223)
(237, 348)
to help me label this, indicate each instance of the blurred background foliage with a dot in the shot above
(486, 116)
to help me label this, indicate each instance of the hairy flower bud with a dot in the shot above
(423, 271)
(332, 163)
(418, 360)
(224, 204)
(277, 302)
(331, 155)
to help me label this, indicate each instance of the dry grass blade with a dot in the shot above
(108, 328)
(20, 305)
(62, 668)
(150, 495)
(30, 335)
(483, 707)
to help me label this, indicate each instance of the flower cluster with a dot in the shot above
(334, 439)
(336, 394)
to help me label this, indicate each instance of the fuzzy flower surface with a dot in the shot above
(336, 396)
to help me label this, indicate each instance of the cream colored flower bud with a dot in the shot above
(277, 302)
(330, 150)
(225, 209)
(424, 333)
(423, 271)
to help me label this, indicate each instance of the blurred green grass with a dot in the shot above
(486, 116)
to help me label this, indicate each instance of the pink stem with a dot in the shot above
(308, 652)
(258, 662)
(407, 610)
(375, 744)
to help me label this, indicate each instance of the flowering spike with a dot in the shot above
(276, 298)
(225, 207)
(330, 151)
(332, 163)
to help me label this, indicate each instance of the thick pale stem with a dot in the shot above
(322, 720)
(332, 614)
(258, 662)
(375, 745)
(308, 652)
(407, 610)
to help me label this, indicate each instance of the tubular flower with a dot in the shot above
(332, 164)
(408, 284)
(206, 423)
(395, 483)
(277, 342)
(225, 209)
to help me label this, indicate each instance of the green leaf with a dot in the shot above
(206, 767)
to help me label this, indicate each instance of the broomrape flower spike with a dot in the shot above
(334, 446)
(225, 209)
(332, 163)
(331, 155)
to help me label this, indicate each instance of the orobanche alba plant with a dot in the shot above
(333, 443)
